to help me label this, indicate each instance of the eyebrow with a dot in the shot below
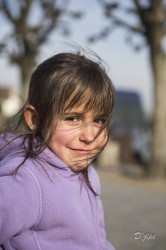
(73, 113)
(80, 114)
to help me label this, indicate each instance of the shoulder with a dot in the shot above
(15, 179)
(17, 167)
(16, 170)
(94, 179)
(20, 195)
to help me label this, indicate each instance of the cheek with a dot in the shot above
(62, 137)
(102, 138)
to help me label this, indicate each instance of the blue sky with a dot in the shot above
(128, 69)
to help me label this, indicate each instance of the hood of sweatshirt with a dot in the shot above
(10, 144)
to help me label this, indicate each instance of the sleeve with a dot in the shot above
(20, 203)
(103, 243)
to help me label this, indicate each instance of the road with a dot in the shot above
(135, 211)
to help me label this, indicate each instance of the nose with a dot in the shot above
(87, 133)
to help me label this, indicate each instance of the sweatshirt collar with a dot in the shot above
(54, 161)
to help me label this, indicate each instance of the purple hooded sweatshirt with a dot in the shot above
(45, 206)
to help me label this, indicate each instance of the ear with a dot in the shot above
(30, 116)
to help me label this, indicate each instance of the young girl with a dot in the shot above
(49, 191)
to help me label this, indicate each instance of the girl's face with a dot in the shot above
(74, 140)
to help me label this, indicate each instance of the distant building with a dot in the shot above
(128, 110)
(10, 102)
(128, 128)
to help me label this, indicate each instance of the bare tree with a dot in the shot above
(31, 22)
(149, 24)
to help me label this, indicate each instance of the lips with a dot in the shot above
(81, 151)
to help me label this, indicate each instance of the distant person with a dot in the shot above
(49, 191)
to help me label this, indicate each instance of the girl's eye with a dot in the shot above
(100, 120)
(72, 118)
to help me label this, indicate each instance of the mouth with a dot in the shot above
(81, 151)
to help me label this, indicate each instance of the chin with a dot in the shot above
(79, 167)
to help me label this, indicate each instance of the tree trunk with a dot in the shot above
(158, 165)
(26, 67)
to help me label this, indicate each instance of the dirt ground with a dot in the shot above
(135, 209)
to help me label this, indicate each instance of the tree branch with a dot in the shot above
(25, 10)
(122, 23)
(5, 8)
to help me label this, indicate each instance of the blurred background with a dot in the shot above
(130, 37)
